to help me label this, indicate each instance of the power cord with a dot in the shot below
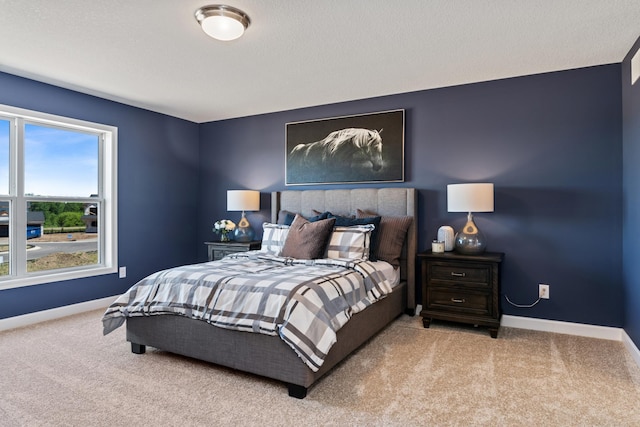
(521, 305)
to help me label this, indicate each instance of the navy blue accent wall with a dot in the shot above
(631, 194)
(157, 187)
(551, 143)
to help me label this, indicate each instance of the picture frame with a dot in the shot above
(360, 148)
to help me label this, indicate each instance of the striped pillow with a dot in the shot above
(393, 230)
(273, 237)
(350, 242)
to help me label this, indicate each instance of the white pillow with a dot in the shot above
(350, 242)
(273, 237)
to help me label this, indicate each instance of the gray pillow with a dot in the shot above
(307, 240)
(393, 230)
(286, 218)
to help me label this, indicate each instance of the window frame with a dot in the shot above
(106, 200)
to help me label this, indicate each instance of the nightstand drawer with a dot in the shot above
(218, 254)
(450, 299)
(219, 250)
(461, 273)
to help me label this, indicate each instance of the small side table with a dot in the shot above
(218, 250)
(461, 288)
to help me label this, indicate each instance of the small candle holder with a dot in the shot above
(437, 247)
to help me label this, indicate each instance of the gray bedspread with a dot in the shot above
(305, 302)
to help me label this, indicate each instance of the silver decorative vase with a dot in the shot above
(243, 232)
(470, 240)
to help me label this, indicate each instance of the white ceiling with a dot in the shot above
(299, 53)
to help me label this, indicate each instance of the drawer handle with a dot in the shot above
(457, 300)
(454, 274)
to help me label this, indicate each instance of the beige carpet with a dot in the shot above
(65, 372)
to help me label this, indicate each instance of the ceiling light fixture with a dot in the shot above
(222, 22)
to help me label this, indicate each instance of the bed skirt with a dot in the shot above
(256, 353)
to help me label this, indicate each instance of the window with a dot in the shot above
(57, 198)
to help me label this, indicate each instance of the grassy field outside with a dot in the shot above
(58, 260)
(62, 260)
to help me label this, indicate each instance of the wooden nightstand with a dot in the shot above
(217, 250)
(461, 288)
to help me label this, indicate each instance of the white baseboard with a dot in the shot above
(569, 328)
(54, 313)
(631, 347)
(579, 329)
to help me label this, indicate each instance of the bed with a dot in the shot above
(268, 355)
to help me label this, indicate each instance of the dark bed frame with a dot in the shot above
(267, 355)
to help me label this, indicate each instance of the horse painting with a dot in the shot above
(353, 154)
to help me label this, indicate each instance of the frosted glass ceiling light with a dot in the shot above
(222, 22)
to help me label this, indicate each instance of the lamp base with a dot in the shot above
(243, 232)
(470, 240)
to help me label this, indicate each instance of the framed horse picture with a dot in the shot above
(349, 149)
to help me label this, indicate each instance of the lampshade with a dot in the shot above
(243, 200)
(476, 197)
(222, 22)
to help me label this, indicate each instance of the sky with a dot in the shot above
(56, 162)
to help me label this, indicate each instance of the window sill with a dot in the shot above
(11, 283)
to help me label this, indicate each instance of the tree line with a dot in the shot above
(60, 214)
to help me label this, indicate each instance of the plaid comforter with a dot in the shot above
(305, 302)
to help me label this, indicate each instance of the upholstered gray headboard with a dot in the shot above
(384, 201)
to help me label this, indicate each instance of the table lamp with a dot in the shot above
(475, 197)
(243, 200)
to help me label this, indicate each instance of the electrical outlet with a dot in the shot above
(543, 291)
(122, 272)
